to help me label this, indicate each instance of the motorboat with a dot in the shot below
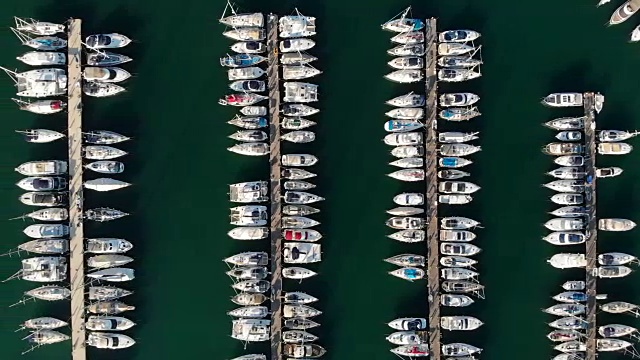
(612, 344)
(457, 74)
(455, 199)
(298, 185)
(458, 223)
(301, 253)
(407, 151)
(249, 135)
(407, 50)
(105, 74)
(296, 58)
(571, 347)
(412, 351)
(566, 186)
(108, 323)
(408, 163)
(452, 174)
(249, 215)
(569, 211)
(457, 187)
(243, 20)
(36, 27)
(296, 123)
(298, 310)
(43, 323)
(43, 43)
(574, 285)
(45, 337)
(249, 273)
(296, 174)
(298, 110)
(451, 273)
(101, 89)
(407, 63)
(610, 272)
(616, 258)
(113, 274)
(403, 23)
(49, 214)
(455, 300)
(249, 47)
(249, 258)
(624, 12)
(453, 49)
(458, 149)
(251, 149)
(106, 167)
(616, 224)
(111, 341)
(297, 351)
(462, 323)
(569, 323)
(568, 199)
(458, 249)
(103, 137)
(108, 246)
(298, 72)
(107, 293)
(299, 210)
(458, 99)
(565, 224)
(49, 293)
(298, 222)
(39, 83)
(405, 211)
(464, 61)
(459, 113)
(43, 58)
(409, 199)
(618, 307)
(405, 76)
(46, 231)
(246, 299)
(457, 235)
(105, 184)
(249, 122)
(608, 172)
(108, 260)
(241, 99)
(300, 323)
(409, 260)
(408, 175)
(616, 148)
(107, 41)
(459, 349)
(409, 38)
(106, 59)
(395, 126)
(246, 34)
(566, 309)
(403, 139)
(408, 236)
(406, 113)
(298, 25)
(251, 357)
(408, 273)
(407, 100)
(299, 136)
(566, 123)
(615, 135)
(406, 223)
(296, 45)
(569, 160)
(44, 198)
(562, 238)
(635, 34)
(458, 36)
(46, 246)
(249, 312)
(409, 324)
(565, 99)
(249, 233)
(297, 273)
(297, 297)
(247, 73)
(299, 160)
(248, 85)
(616, 330)
(457, 261)
(568, 261)
(253, 286)
(38, 183)
(297, 337)
(42, 107)
(251, 330)
(569, 135)
(241, 60)
(568, 173)
(571, 297)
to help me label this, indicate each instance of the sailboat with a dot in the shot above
(403, 23)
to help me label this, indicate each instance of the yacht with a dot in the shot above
(403, 23)
(46, 231)
(297, 273)
(106, 167)
(624, 12)
(566, 123)
(111, 341)
(106, 59)
(301, 253)
(568, 261)
(298, 222)
(396, 126)
(453, 162)
(247, 299)
(569, 135)
(247, 73)
(457, 235)
(296, 45)
(102, 152)
(569, 211)
(296, 58)
(569, 323)
(407, 151)
(457, 74)
(457, 274)
(300, 324)
(574, 285)
(458, 223)
(43, 323)
(42, 107)
(457, 261)
(407, 50)
(39, 83)
(249, 233)
(616, 258)
(298, 310)
(458, 149)
(446, 49)
(249, 192)
(241, 99)
(298, 185)
(455, 300)
(108, 323)
(46, 246)
(452, 174)
(299, 210)
(251, 330)
(107, 41)
(105, 184)
(46, 337)
(38, 183)
(246, 34)
(403, 139)
(405, 76)
(248, 258)
(44, 269)
(298, 110)
(252, 286)
(105, 74)
(567, 99)
(616, 224)
(612, 344)
(458, 36)
(459, 349)
(408, 273)
(408, 163)
(616, 135)
(297, 297)
(107, 293)
(464, 323)
(253, 110)
(409, 199)
(300, 92)
(407, 100)
(608, 172)
(406, 113)
(101, 89)
(297, 337)
(49, 293)
(566, 309)
(43, 58)
(44, 43)
(109, 307)
(293, 26)
(241, 60)
(457, 187)
(610, 272)
(464, 61)
(296, 174)
(249, 122)
(249, 47)
(108, 246)
(458, 99)
(568, 199)
(103, 137)
(409, 38)
(458, 249)
(459, 113)
(410, 260)
(568, 173)
(408, 175)
(571, 297)
(571, 347)
(562, 238)
(407, 63)
(104, 214)
(616, 148)
(36, 27)
(297, 351)
(108, 260)
(618, 307)
(412, 351)
(44, 198)
(251, 149)
(113, 274)
(409, 324)
(299, 160)
(405, 211)
(248, 312)
(616, 330)
(243, 20)
(565, 224)
(569, 160)
(298, 72)
(296, 123)
(408, 236)
(249, 215)
(566, 185)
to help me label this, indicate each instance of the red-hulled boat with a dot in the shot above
(301, 235)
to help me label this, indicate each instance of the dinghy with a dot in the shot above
(250, 149)
(608, 172)
(562, 238)
(106, 167)
(453, 162)
(408, 163)
(409, 260)
(459, 113)
(616, 224)
(408, 175)
(405, 76)
(408, 273)
(616, 258)
(455, 300)
(458, 36)
(408, 236)
(409, 199)
(105, 184)
(452, 174)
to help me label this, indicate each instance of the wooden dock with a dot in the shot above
(76, 232)
(431, 195)
(276, 197)
(592, 227)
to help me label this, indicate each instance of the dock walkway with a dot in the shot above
(276, 197)
(76, 231)
(592, 227)
(431, 195)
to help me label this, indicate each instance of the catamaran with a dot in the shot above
(293, 26)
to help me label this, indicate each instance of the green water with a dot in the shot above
(179, 203)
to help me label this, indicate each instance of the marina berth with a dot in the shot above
(615, 224)
(246, 299)
(408, 236)
(297, 26)
(463, 323)
(296, 45)
(407, 100)
(246, 34)
(608, 172)
(405, 76)
(247, 73)
(455, 300)
(616, 135)
(616, 258)
(565, 238)
(249, 47)
(109, 341)
(410, 260)
(296, 123)
(42, 107)
(407, 50)
(408, 337)
(105, 58)
(300, 324)
(457, 75)
(458, 36)
(43, 58)
(409, 38)
(614, 148)
(464, 61)
(458, 99)
(567, 99)
(408, 163)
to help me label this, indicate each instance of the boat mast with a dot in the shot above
(402, 15)
(24, 38)
(21, 103)
(12, 74)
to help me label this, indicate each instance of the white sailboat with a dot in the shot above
(105, 184)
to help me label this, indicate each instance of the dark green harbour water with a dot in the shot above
(181, 169)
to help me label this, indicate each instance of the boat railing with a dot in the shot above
(23, 37)
(12, 74)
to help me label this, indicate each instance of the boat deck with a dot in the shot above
(273, 78)
(76, 231)
(591, 243)
(431, 195)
